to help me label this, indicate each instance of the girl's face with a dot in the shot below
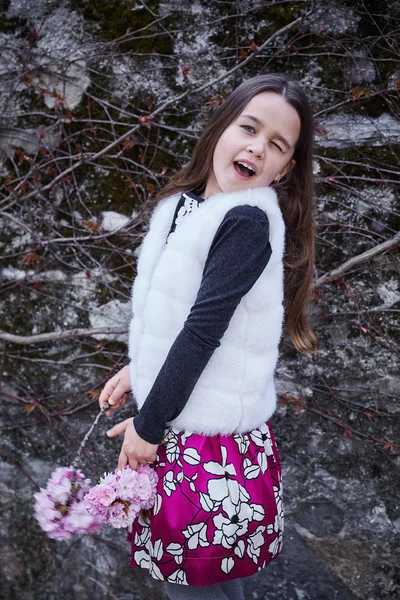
(263, 137)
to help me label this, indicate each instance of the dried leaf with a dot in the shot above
(26, 79)
(31, 257)
(129, 143)
(316, 295)
(7, 181)
(28, 408)
(91, 225)
(215, 101)
(286, 399)
(322, 130)
(388, 446)
(185, 71)
(144, 119)
(130, 182)
(21, 155)
(359, 92)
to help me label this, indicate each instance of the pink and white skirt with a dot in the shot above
(218, 513)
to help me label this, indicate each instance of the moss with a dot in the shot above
(116, 18)
(9, 25)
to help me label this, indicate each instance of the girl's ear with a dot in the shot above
(288, 168)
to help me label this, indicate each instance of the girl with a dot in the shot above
(209, 301)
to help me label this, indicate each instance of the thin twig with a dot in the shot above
(355, 260)
(24, 340)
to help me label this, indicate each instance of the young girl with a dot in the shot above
(209, 301)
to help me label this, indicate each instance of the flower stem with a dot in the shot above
(88, 434)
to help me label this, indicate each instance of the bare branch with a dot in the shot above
(57, 335)
(355, 260)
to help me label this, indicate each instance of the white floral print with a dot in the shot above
(242, 441)
(196, 534)
(178, 576)
(262, 437)
(177, 551)
(225, 485)
(255, 541)
(242, 534)
(236, 523)
(227, 564)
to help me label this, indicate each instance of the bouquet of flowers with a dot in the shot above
(121, 496)
(68, 505)
(59, 509)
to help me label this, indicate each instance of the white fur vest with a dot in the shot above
(235, 392)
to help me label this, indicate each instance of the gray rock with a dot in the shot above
(352, 131)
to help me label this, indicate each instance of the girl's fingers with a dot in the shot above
(105, 395)
(119, 404)
(115, 396)
(134, 464)
(125, 460)
(122, 460)
(118, 428)
(114, 390)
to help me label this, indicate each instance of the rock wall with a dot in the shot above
(80, 165)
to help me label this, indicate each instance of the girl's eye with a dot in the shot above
(253, 130)
(277, 146)
(248, 126)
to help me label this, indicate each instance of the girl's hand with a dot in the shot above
(116, 391)
(135, 451)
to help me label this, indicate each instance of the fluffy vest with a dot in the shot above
(235, 392)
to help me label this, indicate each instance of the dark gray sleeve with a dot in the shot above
(238, 255)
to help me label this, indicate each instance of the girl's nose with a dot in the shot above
(257, 149)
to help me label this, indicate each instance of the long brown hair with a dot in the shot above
(295, 192)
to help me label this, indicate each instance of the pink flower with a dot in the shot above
(78, 520)
(69, 506)
(126, 483)
(120, 496)
(144, 488)
(106, 494)
(59, 509)
(59, 491)
(117, 516)
(108, 478)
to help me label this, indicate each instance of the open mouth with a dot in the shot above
(242, 170)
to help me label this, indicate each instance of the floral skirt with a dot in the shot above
(218, 513)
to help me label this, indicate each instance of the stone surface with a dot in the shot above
(355, 130)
